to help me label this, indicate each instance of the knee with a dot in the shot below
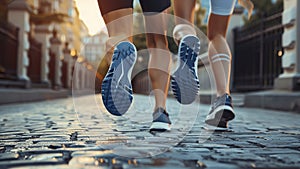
(215, 36)
(211, 36)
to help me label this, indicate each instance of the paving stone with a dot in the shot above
(85, 161)
(137, 152)
(215, 146)
(2, 149)
(42, 151)
(256, 128)
(96, 154)
(198, 150)
(48, 135)
(287, 158)
(47, 157)
(9, 133)
(62, 137)
(159, 163)
(9, 143)
(182, 155)
(241, 144)
(292, 132)
(217, 165)
(234, 157)
(231, 150)
(64, 166)
(271, 151)
(6, 137)
(8, 156)
(21, 163)
(141, 143)
(190, 140)
(161, 140)
(276, 165)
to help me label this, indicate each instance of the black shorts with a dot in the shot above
(107, 6)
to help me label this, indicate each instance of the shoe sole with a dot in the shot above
(220, 117)
(160, 126)
(184, 81)
(116, 86)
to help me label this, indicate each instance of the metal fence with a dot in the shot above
(51, 65)
(9, 51)
(35, 61)
(64, 70)
(258, 51)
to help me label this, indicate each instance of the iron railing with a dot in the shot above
(257, 54)
(35, 61)
(9, 51)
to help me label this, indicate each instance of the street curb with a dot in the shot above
(29, 95)
(275, 100)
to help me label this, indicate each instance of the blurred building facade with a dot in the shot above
(46, 37)
(44, 40)
(94, 47)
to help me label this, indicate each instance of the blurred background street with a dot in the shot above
(52, 55)
(50, 134)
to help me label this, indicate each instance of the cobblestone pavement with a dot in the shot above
(50, 134)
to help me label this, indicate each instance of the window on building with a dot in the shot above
(96, 40)
(56, 6)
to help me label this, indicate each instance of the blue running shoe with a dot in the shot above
(161, 121)
(184, 81)
(221, 112)
(116, 86)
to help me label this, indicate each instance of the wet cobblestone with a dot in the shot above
(50, 134)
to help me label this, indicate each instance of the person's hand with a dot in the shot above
(247, 4)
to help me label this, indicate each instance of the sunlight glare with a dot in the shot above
(90, 14)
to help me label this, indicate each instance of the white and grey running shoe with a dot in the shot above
(161, 121)
(184, 81)
(116, 87)
(221, 112)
